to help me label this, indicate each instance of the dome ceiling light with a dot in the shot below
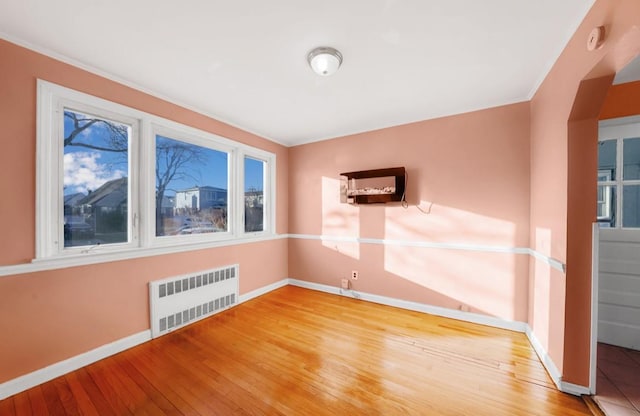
(324, 60)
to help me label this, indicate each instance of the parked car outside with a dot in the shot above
(76, 228)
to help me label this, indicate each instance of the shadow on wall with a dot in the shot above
(477, 269)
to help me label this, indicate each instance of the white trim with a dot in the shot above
(44, 148)
(95, 258)
(268, 191)
(516, 326)
(619, 130)
(187, 135)
(35, 378)
(595, 278)
(415, 306)
(52, 98)
(553, 371)
(81, 260)
(262, 290)
(554, 263)
(22, 383)
(409, 243)
(574, 389)
(544, 358)
(27, 381)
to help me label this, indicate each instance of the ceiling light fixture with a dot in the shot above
(324, 60)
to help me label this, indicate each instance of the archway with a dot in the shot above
(582, 131)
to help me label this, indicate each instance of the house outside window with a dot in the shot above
(200, 208)
(95, 185)
(114, 179)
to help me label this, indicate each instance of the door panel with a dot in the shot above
(619, 288)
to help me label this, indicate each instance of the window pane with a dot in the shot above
(630, 205)
(606, 205)
(253, 195)
(631, 158)
(96, 190)
(607, 160)
(191, 188)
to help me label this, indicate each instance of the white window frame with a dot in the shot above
(604, 178)
(49, 176)
(619, 130)
(188, 135)
(267, 195)
(141, 205)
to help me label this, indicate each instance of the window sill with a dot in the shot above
(96, 257)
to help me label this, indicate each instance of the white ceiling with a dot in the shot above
(244, 62)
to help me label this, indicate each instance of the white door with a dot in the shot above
(619, 219)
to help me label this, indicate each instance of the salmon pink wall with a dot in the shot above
(469, 176)
(486, 183)
(49, 316)
(622, 100)
(564, 115)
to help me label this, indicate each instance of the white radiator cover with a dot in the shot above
(181, 300)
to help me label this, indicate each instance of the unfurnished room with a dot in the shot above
(320, 208)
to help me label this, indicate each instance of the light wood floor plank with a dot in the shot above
(300, 352)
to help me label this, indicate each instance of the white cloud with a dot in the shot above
(82, 171)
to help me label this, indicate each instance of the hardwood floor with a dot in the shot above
(301, 352)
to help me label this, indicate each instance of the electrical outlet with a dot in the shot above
(354, 275)
(345, 284)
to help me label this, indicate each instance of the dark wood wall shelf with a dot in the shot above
(375, 186)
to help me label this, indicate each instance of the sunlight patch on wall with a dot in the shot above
(433, 222)
(339, 220)
(543, 241)
(485, 282)
(541, 312)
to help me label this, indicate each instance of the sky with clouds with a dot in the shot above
(83, 172)
(87, 169)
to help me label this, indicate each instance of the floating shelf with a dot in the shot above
(376, 186)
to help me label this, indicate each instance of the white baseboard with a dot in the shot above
(22, 383)
(516, 326)
(262, 290)
(35, 378)
(415, 306)
(574, 389)
(58, 369)
(548, 363)
(555, 375)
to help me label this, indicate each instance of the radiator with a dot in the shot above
(181, 300)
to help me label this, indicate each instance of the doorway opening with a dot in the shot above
(617, 248)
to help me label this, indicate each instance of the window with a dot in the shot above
(114, 179)
(606, 195)
(95, 186)
(619, 176)
(191, 188)
(254, 194)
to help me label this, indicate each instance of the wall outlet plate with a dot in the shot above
(354, 275)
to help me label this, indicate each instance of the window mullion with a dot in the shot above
(146, 172)
(619, 181)
(135, 173)
(238, 198)
(98, 178)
